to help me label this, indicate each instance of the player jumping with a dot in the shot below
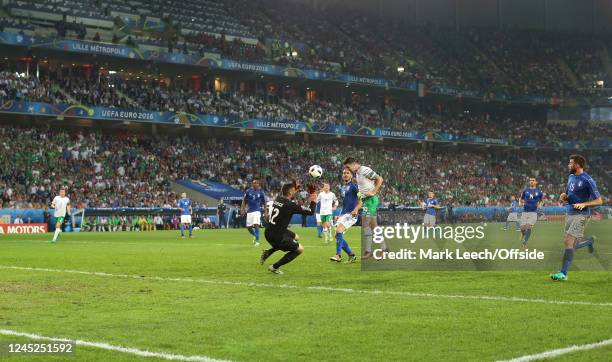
(369, 184)
(184, 204)
(512, 214)
(329, 202)
(277, 234)
(61, 205)
(255, 199)
(431, 204)
(531, 201)
(581, 194)
(348, 216)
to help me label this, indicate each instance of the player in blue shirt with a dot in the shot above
(531, 201)
(254, 201)
(351, 203)
(430, 205)
(581, 195)
(512, 214)
(184, 204)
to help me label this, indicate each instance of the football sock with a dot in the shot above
(287, 258)
(568, 255)
(367, 239)
(56, 234)
(319, 230)
(250, 229)
(506, 225)
(256, 233)
(346, 248)
(527, 235)
(339, 243)
(182, 230)
(190, 229)
(582, 242)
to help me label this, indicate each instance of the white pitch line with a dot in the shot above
(110, 347)
(315, 287)
(560, 351)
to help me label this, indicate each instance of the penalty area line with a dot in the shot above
(314, 287)
(110, 347)
(560, 351)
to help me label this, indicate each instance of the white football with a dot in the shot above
(315, 171)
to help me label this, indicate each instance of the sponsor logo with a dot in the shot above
(22, 228)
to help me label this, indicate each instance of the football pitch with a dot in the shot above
(129, 294)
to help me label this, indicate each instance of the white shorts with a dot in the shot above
(318, 218)
(346, 220)
(185, 219)
(429, 219)
(529, 218)
(253, 218)
(513, 216)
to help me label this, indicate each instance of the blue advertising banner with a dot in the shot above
(215, 190)
(210, 120)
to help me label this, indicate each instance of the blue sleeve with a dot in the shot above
(523, 195)
(593, 189)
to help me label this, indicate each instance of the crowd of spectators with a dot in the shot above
(120, 169)
(490, 61)
(176, 95)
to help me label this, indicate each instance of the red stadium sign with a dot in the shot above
(23, 228)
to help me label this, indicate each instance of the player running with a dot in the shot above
(255, 199)
(512, 214)
(430, 205)
(348, 216)
(277, 234)
(531, 201)
(369, 184)
(61, 206)
(581, 195)
(184, 204)
(329, 203)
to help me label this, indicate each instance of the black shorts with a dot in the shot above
(285, 242)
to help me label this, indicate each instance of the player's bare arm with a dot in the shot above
(597, 202)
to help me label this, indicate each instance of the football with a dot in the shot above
(315, 171)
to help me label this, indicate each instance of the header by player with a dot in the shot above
(369, 184)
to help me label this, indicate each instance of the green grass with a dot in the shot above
(263, 321)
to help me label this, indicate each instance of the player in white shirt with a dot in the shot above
(369, 184)
(329, 203)
(61, 206)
